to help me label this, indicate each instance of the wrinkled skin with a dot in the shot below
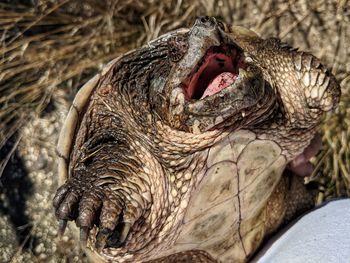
(147, 139)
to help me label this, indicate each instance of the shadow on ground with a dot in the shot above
(15, 188)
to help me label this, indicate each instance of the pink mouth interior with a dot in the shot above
(219, 69)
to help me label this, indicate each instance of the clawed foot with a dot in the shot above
(108, 210)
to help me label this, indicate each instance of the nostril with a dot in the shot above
(204, 19)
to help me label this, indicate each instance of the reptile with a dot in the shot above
(177, 151)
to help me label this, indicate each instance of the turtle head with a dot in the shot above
(211, 84)
(228, 76)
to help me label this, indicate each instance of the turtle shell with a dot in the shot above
(68, 131)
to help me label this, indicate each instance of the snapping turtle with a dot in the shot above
(176, 151)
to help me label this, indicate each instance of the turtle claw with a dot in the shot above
(101, 239)
(62, 224)
(124, 233)
(109, 238)
(99, 206)
(84, 234)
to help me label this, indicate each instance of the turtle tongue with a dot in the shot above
(219, 83)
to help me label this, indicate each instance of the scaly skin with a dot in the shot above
(143, 149)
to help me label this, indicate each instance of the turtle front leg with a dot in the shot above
(111, 191)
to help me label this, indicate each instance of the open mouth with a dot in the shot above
(217, 70)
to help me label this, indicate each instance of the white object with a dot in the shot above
(322, 235)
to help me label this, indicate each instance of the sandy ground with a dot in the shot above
(29, 227)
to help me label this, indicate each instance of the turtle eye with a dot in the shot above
(177, 48)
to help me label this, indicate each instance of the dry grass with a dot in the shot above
(50, 45)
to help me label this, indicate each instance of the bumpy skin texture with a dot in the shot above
(155, 174)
